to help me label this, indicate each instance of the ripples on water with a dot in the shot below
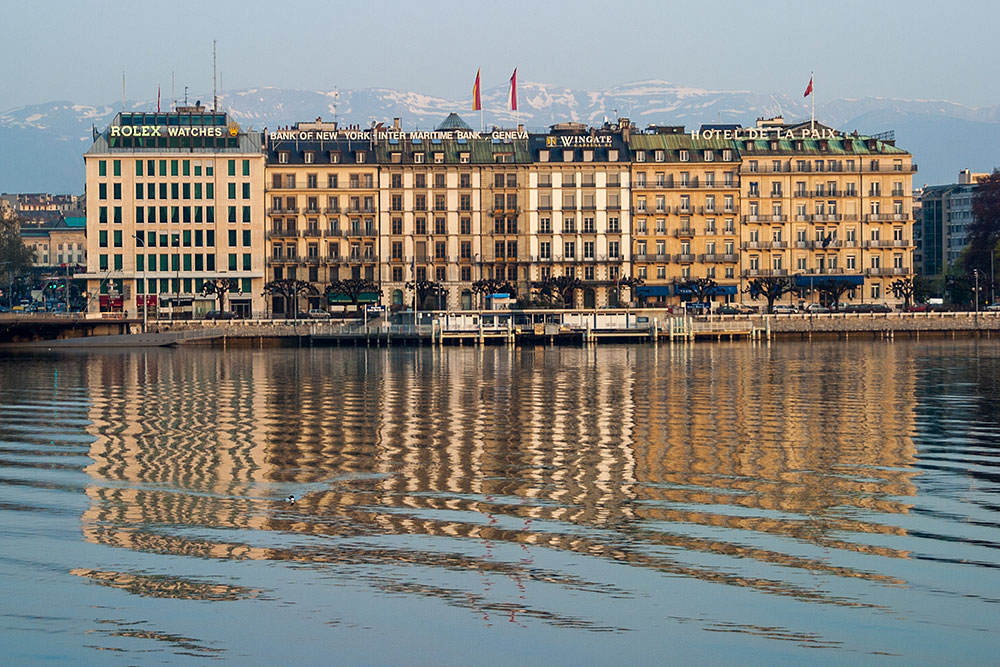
(707, 503)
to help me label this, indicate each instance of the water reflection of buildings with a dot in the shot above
(804, 436)
(581, 450)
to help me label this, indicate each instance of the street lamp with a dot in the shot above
(140, 243)
(975, 273)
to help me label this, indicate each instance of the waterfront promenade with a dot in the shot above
(589, 327)
(508, 328)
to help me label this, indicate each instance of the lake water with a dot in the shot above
(831, 502)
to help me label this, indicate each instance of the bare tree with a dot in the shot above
(904, 288)
(290, 289)
(425, 290)
(700, 288)
(771, 288)
(629, 283)
(557, 291)
(832, 290)
(487, 286)
(352, 288)
(220, 287)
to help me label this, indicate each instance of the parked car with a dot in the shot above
(867, 308)
(318, 314)
(727, 310)
(993, 306)
(783, 309)
(220, 315)
(817, 308)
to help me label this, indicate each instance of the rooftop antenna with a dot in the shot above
(123, 91)
(215, 96)
(173, 98)
(185, 95)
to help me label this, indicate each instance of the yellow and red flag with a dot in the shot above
(477, 103)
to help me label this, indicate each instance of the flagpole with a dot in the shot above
(812, 123)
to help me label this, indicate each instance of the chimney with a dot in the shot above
(396, 122)
(520, 127)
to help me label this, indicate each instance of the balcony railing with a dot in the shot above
(283, 234)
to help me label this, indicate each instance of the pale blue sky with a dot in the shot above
(916, 49)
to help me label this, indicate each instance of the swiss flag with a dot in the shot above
(809, 88)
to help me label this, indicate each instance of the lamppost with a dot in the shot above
(140, 243)
(975, 273)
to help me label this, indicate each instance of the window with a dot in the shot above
(684, 156)
(569, 249)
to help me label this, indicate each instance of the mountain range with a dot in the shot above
(43, 144)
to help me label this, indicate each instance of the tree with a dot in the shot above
(984, 232)
(629, 283)
(428, 293)
(352, 288)
(487, 286)
(557, 290)
(771, 288)
(700, 288)
(15, 257)
(290, 289)
(831, 290)
(904, 288)
(220, 287)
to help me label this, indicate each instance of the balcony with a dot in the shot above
(887, 271)
(283, 234)
(682, 258)
(682, 231)
(333, 232)
(312, 232)
(334, 210)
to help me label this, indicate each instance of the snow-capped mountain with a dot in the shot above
(43, 143)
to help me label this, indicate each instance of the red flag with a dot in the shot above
(477, 103)
(809, 88)
(512, 96)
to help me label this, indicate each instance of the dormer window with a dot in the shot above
(660, 156)
(727, 155)
(418, 158)
(613, 155)
(310, 157)
(334, 157)
(588, 155)
(640, 156)
(282, 157)
(709, 156)
(360, 156)
(438, 157)
(685, 156)
(568, 155)
(543, 156)
(463, 158)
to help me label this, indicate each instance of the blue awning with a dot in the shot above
(652, 290)
(819, 281)
(718, 290)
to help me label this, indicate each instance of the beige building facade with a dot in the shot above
(174, 199)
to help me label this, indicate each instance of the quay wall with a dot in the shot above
(829, 324)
